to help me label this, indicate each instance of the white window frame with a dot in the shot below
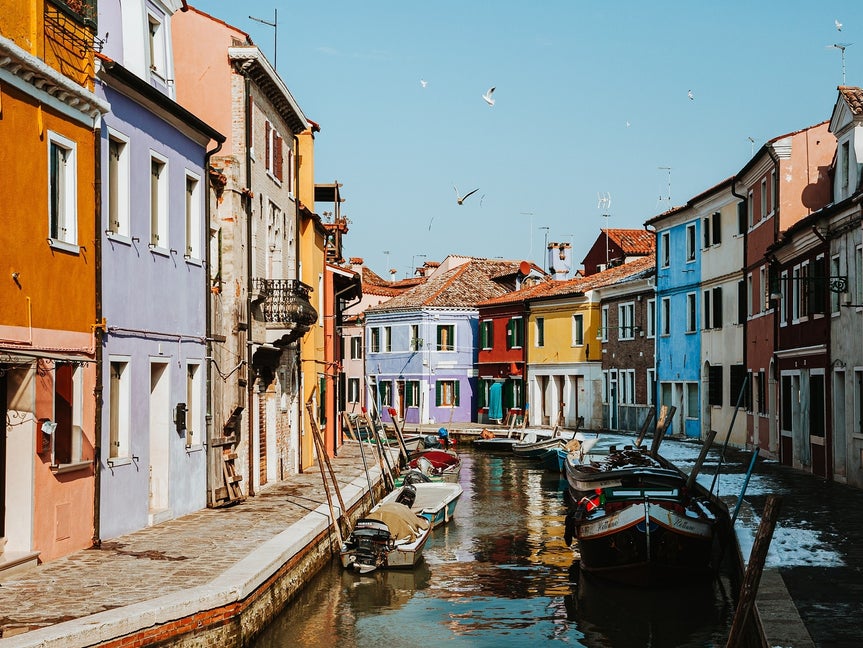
(603, 332)
(763, 198)
(665, 320)
(159, 208)
(650, 324)
(651, 386)
(539, 330)
(750, 209)
(356, 347)
(63, 225)
(119, 436)
(374, 339)
(157, 52)
(626, 321)
(414, 343)
(763, 290)
(750, 289)
(835, 270)
(578, 329)
(664, 244)
(691, 312)
(858, 277)
(691, 242)
(118, 174)
(353, 390)
(194, 217)
(273, 142)
(783, 298)
(194, 403)
(706, 305)
(387, 339)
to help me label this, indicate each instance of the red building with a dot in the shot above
(616, 246)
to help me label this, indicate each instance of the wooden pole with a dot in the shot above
(661, 427)
(346, 421)
(752, 577)
(708, 442)
(389, 479)
(336, 524)
(319, 444)
(399, 436)
(643, 431)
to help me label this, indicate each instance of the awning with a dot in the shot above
(25, 356)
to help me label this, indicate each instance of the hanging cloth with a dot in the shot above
(495, 408)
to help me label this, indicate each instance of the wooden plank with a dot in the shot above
(643, 431)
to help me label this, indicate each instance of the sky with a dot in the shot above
(592, 125)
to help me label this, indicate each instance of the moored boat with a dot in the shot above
(438, 463)
(391, 536)
(534, 447)
(435, 501)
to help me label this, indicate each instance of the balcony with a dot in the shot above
(283, 304)
(81, 11)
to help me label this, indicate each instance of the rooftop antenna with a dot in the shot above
(603, 204)
(668, 197)
(530, 254)
(387, 253)
(841, 47)
(275, 26)
(751, 146)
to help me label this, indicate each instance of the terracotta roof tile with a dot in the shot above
(854, 96)
(633, 241)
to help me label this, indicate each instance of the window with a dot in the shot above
(578, 330)
(844, 166)
(118, 184)
(763, 290)
(664, 249)
(158, 202)
(356, 347)
(714, 387)
(273, 154)
(119, 391)
(801, 287)
(353, 390)
(514, 333)
(375, 342)
(415, 337)
(626, 321)
(763, 214)
(761, 392)
(195, 404)
(627, 386)
(692, 408)
(818, 288)
(712, 229)
(717, 307)
(651, 318)
(388, 339)
(193, 218)
(737, 377)
(783, 298)
(157, 46)
(858, 279)
(707, 302)
(750, 306)
(691, 313)
(446, 337)
(716, 222)
(651, 386)
(750, 210)
(412, 393)
(62, 191)
(742, 211)
(603, 330)
(665, 323)
(385, 390)
(540, 331)
(68, 414)
(741, 302)
(690, 242)
(446, 393)
(486, 338)
(771, 203)
(705, 232)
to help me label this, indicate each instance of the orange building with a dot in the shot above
(48, 278)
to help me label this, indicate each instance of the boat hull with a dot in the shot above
(537, 449)
(434, 501)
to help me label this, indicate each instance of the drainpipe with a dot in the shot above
(657, 390)
(98, 332)
(297, 412)
(247, 126)
(208, 306)
(745, 269)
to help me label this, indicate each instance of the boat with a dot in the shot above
(435, 501)
(438, 463)
(489, 441)
(639, 520)
(554, 459)
(534, 447)
(391, 536)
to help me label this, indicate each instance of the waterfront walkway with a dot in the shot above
(208, 560)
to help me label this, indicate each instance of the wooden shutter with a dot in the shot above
(437, 391)
(716, 223)
(717, 307)
(277, 155)
(742, 215)
(268, 165)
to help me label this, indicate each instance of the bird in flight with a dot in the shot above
(459, 198)
(488, 98)
(838, 25)
(423, 83)
(691, 96)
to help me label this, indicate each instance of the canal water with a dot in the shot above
(499, 574)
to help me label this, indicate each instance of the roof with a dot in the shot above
(854, 97)
(461, 287)
(579, 285)
(633, 241)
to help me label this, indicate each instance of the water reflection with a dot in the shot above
(499, 574)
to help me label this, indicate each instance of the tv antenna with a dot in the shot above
(530, 254)
(668, 196)
(275, 26)
(603, 203)
(841, 47)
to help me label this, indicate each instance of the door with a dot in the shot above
(839, 450)
(400, 390)
(3, 462)
(160, 431)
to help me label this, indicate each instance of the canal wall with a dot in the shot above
(234, 607)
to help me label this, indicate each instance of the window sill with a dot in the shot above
(165, 252)
(194, 448)
(116, 237)
(63, 246)
(194, 261)
(62, 469)
(113, 462)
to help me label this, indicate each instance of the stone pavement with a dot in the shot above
(173, 557)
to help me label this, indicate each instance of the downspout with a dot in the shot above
(208, 296)
(338, 431)
(746, 269)
(98, 332)
(297, 413)
(776, 225)
(657, 310)
(247, 126)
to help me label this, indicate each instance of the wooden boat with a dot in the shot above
(534, 447)
(391, 536)
(435, 501)
(554, 459)
(641, 521)
(442, 463)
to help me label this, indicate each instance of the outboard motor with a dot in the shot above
(408, 495)
(414, 476)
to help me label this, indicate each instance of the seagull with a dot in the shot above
(628, 124)
(423, 83)
(487, 97)
(460, 199)
(838, 25)
(690, 95)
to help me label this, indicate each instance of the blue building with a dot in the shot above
(678, 329)
(153, 287)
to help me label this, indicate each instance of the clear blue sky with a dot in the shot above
(569, 76)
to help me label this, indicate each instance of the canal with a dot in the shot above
(499, 574)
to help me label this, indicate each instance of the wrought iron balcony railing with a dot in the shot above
(284, 301)
(82, 11)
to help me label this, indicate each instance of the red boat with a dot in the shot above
(445, 464)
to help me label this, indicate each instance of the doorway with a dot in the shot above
(160, 426)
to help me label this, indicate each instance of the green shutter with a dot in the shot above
(455, 384)
(437, 390)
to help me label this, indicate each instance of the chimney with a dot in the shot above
(559, 256)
